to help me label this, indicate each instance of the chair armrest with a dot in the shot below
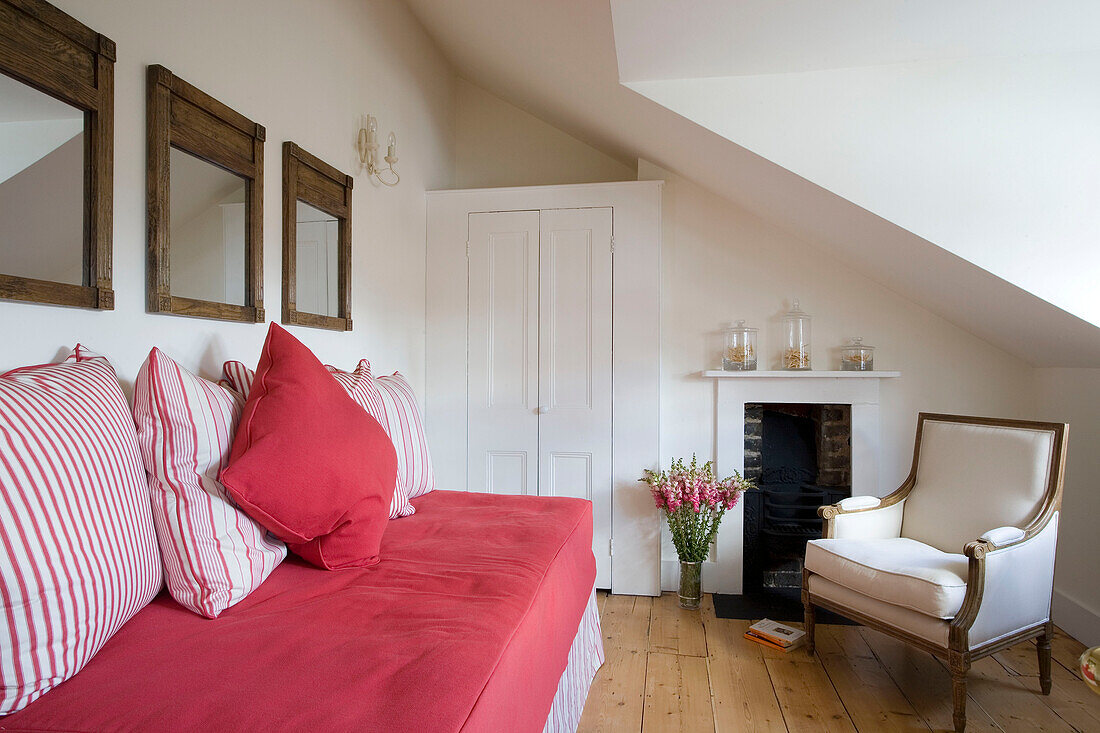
(1002, 536)
(854, 503)
(861, 516)
(1010, 581)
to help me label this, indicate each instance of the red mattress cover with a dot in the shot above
(465, 624)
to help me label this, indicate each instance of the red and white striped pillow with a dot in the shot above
(78, 554)
(392, 402)
(214, 554)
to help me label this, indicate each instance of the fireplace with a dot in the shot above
(800, 456)
(855, 392)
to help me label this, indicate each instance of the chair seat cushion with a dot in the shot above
(899, 571)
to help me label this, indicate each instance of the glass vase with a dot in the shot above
(691, 584)
(796, 339)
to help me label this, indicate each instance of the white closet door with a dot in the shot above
(575, 365)
(317, 253)
(503, 449)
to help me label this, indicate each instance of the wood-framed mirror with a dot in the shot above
(316, 242)
(56, 157)
(205, 204)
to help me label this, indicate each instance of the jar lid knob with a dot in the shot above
(857, 341)
(740, 323)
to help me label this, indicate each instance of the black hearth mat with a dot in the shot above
(778, 604)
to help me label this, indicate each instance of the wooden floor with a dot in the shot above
(673, 670)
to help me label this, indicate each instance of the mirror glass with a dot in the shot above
(208, 230)
(41, 185)
(317, 262)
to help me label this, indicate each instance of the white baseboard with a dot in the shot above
(1076, 619)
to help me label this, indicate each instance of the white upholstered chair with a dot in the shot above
(958, 561)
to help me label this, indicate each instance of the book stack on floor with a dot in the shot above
(775, 635)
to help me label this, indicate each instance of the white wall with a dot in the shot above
(498, 144)
(721, 263)
(306, 71)
(1073, 396)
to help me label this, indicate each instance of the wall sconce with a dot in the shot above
(368, 153)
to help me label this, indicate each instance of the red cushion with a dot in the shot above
(308, 463)
(465, 625)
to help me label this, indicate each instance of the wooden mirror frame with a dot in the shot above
(309, 179)
(183, 117)
(53, 52)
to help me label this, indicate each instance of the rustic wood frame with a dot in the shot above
(53, 52)
(309, 179)
(958, 654)
(183, 117)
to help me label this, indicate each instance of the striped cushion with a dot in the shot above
(78, 555)
(392, 403)
(238, 377)
(214, 554)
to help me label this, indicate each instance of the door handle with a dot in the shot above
(543, 410)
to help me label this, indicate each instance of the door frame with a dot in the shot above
(636, 231)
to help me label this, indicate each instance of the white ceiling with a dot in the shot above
(557, 60)
(666, 39)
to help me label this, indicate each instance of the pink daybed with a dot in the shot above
(479, 617)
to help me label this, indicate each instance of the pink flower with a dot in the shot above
(658, 498)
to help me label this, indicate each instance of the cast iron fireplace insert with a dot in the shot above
(799, 455)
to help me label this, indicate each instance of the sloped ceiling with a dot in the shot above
(658, 39)
(972, 125)
(558, 61)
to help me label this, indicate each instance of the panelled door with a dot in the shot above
(503, 360)
(539, 363)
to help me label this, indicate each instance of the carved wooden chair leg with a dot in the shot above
(810, 617)
(1043, 647)
(808, 613)
(958, 698)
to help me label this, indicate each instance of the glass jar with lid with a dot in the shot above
(856, 356)
(796, 339)
(740, 353)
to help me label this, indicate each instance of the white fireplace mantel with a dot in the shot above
(734, 389)
(792, 374)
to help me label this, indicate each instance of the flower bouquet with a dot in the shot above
(694, 501)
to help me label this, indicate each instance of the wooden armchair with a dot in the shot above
(958, 561)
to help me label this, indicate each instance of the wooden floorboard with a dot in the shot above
(677, 695)
(807, 696)
(674, 630)
(873, 700)
(1012, 701)
(1068, 698)
(741, 688)
(1067, 652)
(620, 684)
(925, 684)
(668, 669)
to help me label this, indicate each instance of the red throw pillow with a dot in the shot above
(308, 463)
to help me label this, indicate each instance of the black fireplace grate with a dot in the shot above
(781, 514)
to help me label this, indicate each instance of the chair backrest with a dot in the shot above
(972, 475)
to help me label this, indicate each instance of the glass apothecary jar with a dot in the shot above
(856, 356)
(796, 339)
(740, 353)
